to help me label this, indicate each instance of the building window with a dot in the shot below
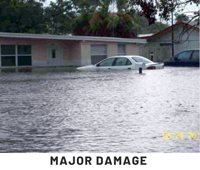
(12, 55)
(24, 55)
(24, 49)
(8, 55)
(53, 53)
(98, 53)
(121, 49)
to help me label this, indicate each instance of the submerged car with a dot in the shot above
(130, 62)
(189, 58)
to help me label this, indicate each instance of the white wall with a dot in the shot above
(189, 40)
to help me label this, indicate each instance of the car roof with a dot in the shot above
(125, 56)
(189, 50)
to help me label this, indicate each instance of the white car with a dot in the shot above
(130, 62)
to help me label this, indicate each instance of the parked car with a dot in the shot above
(130, 62)
(185, 58)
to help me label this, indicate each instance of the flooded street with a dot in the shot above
(62, 111)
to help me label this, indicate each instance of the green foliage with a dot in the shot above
(166, 7)
(85, 6)
(87, 17)
(156, 27)
(21, 16)
(59, 16)
(99, 24)
(182, 17)
(122, 5)
(81, 24)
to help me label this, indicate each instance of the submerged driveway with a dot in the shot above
(48, 111)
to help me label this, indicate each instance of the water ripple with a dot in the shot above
(98, 111)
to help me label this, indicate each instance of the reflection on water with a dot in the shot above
(47, 111)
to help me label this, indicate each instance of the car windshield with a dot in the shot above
(142, 59)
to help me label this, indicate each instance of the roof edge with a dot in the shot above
(170, 28)
(71, 37)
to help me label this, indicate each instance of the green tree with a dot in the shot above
(85, 6)
(142, 25)
(59, 16)
(156, 27)
(182, 17)
(122, 5)
(22, 16)
(150, 8)
(99, 24)
(81, 24)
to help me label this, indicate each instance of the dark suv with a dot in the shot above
(185, 58)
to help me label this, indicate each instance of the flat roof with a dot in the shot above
(71, 37)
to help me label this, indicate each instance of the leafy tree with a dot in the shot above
(156, 27)
(85, 6)
(59, 16)
(99, 24)
(88, 17)
(122, 5)
(81, 24)
(166, 7)
(21, 16)
(142, 25)
(150, 8)
(182, 17)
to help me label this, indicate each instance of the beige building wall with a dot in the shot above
(85, 54)
(40, 50)
(68, 53)
(72, 53)
(86, 50)
(112, 49)
(132, 49)
(75, 54)
(160, 46)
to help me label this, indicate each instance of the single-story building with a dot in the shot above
(159, 45)
(37, 50)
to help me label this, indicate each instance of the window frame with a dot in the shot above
(24, 55)
(100, 55)
(123, 49)
(53, 54)
(16, 55)
(8, 55)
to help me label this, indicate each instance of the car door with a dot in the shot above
(122, 63)
(184, 56)
(106, 64)
(195, 58)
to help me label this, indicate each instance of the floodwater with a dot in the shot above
(68, 111)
